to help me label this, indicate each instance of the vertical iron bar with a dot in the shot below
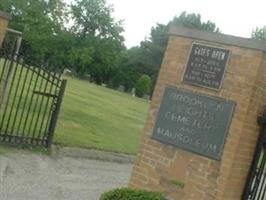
(2, 81)
(4, 69)
(41, 106)
(253, 167)
(45, 111)
(25, 101)
(31, 99)
(8, 97)
(57, 85)
(252, 171)
(56, 113)
(34, 110)
(5, 80)
(14, 97)
(9, 73)
(259, 174)
(262, 181)
(20, 98)
(264, 184)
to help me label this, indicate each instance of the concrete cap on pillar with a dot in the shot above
(5, 15)
(218, 38)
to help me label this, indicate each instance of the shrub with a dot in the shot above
(143, 85)
(131, 194)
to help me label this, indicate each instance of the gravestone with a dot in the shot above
(4, 18)
(201, 130)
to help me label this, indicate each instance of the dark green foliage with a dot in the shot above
(259, 33)
(143, 85)
(193, 20)
(98, 40)
(147, 58)
(131, 194)
(177, 183)
(41, 24)
(91, 45)
(130, 69)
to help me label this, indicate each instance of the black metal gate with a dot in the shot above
(256, 182)
(30, 98)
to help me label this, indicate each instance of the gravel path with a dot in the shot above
(31, 176)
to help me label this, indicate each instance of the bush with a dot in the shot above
(143, 85)
(131, 194)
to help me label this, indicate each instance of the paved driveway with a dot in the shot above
(31, 176)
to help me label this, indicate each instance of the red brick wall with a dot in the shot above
(158, 165)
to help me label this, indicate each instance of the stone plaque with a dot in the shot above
(194, 122)
(206, 66)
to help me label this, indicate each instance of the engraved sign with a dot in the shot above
(194, 122)
(206, 66)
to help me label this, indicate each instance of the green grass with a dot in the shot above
(22, 108)
(91, 116)
(177, 183)
(97, 117)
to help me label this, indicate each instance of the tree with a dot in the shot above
(127, 73)
(143, 85)
(193, 21)
(91, 43)
(155, 46)
(149, 55)
(41, 24)
(259, 33)
(97, 39)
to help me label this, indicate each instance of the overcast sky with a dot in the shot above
(234, 17)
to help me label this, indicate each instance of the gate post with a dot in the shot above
(4, 19)
(201, 131)
(55, 113)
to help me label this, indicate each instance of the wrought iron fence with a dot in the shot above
(30, 97)
(255, 188)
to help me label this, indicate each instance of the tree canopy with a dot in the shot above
(97, 40)
(85, 38)
(259, 33)
(147, 58)
(90, 43)
(39, 20)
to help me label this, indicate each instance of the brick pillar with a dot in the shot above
(4, 18)
(188, 175)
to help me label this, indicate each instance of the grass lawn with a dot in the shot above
(25, 113)
(92, 116)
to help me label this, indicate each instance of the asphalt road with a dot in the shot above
(31, 176)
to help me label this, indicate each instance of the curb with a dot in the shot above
(3, 166)
(74, 152)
